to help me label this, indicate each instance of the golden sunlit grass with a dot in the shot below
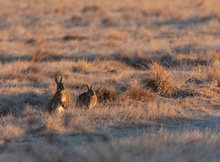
(207, 73)
(82, 66)
(154, 66)
(161, 81)
(116, 35)
(214, 71)
(74, 120)
(10, 131)
(54, 123)
(137, 92)
(44, 56)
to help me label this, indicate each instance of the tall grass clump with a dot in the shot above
(107, 94)
(136, 92)
(208, 73)
(161, 81)
(214, 71)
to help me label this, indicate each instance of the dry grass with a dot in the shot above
(137, 92)
(44, 56)
(82, 66)
(107, 94)
(9, 132)
(214, 71)
(116, 35)
(154, 64)
(156, 146)
(161, 81)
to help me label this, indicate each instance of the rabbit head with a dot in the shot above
(60, 85)
(91, 91)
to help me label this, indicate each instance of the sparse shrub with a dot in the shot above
(136, 92)
(160, 81)
(107, 94)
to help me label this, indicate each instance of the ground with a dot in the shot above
(155, 67)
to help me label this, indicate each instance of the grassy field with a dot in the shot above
(155, 66)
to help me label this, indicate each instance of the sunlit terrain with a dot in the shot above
(155, 67)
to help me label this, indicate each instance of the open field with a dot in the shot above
(155, 66)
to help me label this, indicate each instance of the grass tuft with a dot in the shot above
(107, 94)
(136, 92)
(160, 81)
(81, 66)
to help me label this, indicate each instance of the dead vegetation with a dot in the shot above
(161, 81)
(137, 92)
(107, 94)
(44, 56)
(162, 143)
(154, 64)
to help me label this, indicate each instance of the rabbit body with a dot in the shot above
(87, 99)
(59, 101)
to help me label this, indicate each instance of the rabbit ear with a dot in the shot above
(61, 79)
(56, 80)
(87, 86)
(91, 87)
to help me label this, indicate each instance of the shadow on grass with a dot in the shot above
(131, 60)
(33, 85)
(120, 131)
(169, 124)
(186, 23)
(4, 58)
(15, 104)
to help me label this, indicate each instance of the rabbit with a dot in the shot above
(60, 99)
(87, 99)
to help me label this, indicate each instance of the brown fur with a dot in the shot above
(60, 99)
(87, 99)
